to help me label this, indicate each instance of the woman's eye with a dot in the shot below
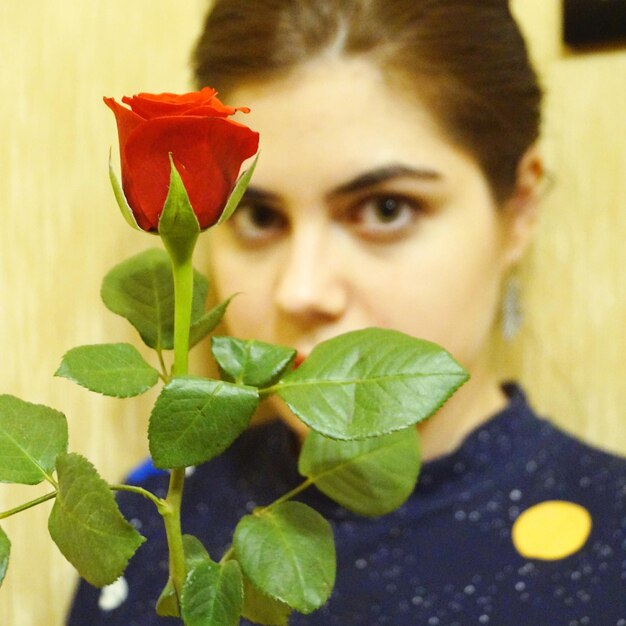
(257, 222)
(384, 216)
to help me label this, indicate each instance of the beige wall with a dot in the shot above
(571, 353)
(60, 231)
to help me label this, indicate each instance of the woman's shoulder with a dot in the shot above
(531, 460)
(568, 481)
(591, 466)
(594, 468)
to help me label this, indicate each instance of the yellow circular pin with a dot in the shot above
(551, 530)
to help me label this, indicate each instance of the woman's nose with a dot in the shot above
(310, 282)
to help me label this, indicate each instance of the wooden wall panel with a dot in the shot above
(571, 352)
(60, 232)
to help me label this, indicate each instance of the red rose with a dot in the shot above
(207, 148)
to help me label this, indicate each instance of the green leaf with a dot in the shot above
(178, 224)
(251, 362)
(213, 595)
(120, 198)
(208, 322)
(115, 369)
(195, 419)
(370, 382)
(371, 476)
(235, 197)
(287, 551)
(141, 289)
(261, 609)
(167, 602)
(5, 551)
(195, 554)
(87, 525)
(31, 437)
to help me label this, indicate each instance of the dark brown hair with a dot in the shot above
(465, 60)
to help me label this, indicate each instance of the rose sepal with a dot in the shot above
(5, 552)
(237, 193)
(120, 197)
(178, 225)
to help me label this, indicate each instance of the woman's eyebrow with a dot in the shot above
(382, 175)
(363, 181)
(260, 196)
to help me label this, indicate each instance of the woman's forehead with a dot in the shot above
(346, 89)
(338, 120)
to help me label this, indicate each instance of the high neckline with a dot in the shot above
(498, 434)
(506, 440)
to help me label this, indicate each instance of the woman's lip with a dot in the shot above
(297, 362)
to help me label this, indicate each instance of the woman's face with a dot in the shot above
(360, 213)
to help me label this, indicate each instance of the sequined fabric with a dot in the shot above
(445, 558)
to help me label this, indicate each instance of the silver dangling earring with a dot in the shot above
(512, 313)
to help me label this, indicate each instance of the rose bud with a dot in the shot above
(207, 149)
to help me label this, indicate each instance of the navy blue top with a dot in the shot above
(445, 558)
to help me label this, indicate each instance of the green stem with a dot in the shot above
(268, 391)
(183, 294)
(165, 377)
(158, 502)
(260, 510)
(28, 505)
(171, 517)
(291, 494)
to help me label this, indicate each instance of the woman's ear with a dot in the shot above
(521, 210)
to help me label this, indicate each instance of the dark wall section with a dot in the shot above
(594, 21)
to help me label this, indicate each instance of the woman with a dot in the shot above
(397, 187)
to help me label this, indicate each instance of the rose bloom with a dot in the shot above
(207, 149)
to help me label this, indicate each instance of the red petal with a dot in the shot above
(209, 110)
(150, 105)
(208, 153)
(127, 122)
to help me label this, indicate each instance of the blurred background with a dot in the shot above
(60, 231)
